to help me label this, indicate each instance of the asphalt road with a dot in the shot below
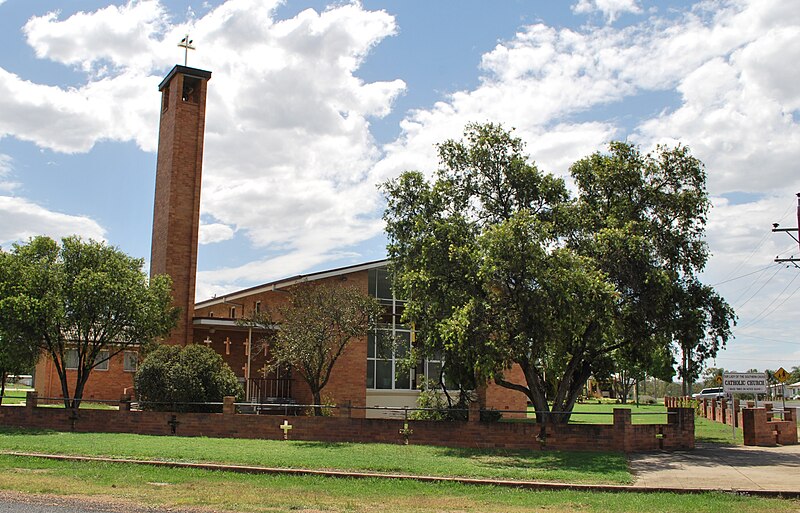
(11, 502)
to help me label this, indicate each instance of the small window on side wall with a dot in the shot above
(233, 312)
(71, 359)
(165, 99)
(101, 361)
(130, 361)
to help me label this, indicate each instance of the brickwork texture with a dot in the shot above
(622, 435)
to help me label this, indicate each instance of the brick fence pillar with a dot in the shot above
(474, 414)
(31, 400)
(345, 409)
(228, 406)
(622, 424)
(681, 423)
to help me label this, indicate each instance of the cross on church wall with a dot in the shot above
(227, 345)
(246, 347)
(207, 342)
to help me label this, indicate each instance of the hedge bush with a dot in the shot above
(172, 376)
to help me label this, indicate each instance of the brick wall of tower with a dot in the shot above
(176, 212)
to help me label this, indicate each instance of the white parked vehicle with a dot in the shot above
(710, 393)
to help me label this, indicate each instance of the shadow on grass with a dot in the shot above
(16, 431)
(321, 445)
(570, 461)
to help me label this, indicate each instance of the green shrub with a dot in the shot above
(172, 376)
(491, 415)
(432, 398)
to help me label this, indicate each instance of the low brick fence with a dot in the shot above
(759, 425)
(622, 435)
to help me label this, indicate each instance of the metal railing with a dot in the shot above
(288, 406)
(267, 390)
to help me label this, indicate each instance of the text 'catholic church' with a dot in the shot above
(365, 374)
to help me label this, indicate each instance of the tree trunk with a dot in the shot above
(317, 402)
(4, 375)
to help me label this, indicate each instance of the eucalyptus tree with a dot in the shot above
(480, 252)
(81, 303)
(503, 267)
(643, 220)
(17, 355)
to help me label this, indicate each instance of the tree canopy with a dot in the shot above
(78, 300)
(502, 266)
(315, 326)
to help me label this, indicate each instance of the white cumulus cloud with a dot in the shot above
(611, 9)
(215, 232)
(23, 219)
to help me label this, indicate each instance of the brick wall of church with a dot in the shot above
(505, 399)
(348, 380)
(108, 385)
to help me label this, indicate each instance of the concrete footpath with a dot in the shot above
(720, 467)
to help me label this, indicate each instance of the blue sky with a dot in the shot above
(313, 103)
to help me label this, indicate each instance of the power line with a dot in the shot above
(761, 316)
(757, 291)
(769, 339)
(758, 246)
(745, 275)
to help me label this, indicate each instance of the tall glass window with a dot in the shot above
(389, 345)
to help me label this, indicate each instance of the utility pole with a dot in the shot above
(793, 233)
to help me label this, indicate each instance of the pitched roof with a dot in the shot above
(288, 282)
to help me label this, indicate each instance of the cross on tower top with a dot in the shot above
(186, 44)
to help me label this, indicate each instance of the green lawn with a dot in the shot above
(171, 488)
(588, 413)
(15, 395)
(562, 466)
(709, 431)
(594, 413)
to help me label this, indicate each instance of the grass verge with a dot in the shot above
(714, 432)
(170, 488)
(557, 466)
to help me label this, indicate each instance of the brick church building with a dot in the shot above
(365, 374)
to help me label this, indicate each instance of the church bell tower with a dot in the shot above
(176, 214)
